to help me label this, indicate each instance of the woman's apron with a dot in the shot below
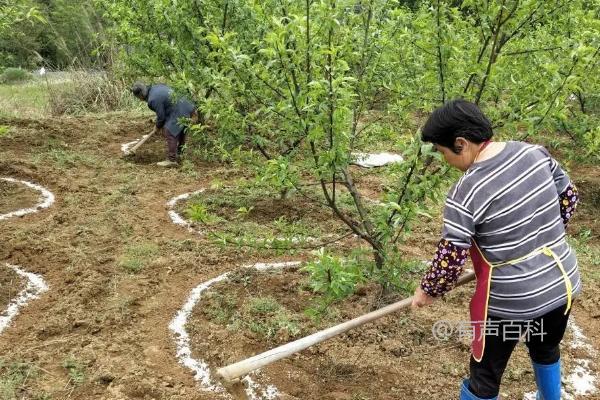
(479, 301)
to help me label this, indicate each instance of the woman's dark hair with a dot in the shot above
(140, 90)
(456, 118)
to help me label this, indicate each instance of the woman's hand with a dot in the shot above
(420, 298)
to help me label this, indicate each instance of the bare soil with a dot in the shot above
(263, 216)
(107, 325)
(10, 285)
(396, 357)
(14, 196)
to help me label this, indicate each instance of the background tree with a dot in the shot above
(17, 20)
(297, 86)
(55, 33)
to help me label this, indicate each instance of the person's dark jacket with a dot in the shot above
(160, 100)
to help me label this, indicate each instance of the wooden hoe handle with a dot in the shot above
(234, 371)
(141, 142)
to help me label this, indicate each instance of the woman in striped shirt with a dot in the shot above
(509, 211)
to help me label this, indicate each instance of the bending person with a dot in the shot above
(168, 113)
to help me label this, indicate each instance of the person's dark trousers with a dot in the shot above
(174, 145)
(546, 333)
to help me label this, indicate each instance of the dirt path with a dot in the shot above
(117, 268)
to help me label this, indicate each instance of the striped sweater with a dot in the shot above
(509, 205)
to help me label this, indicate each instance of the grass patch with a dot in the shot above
(124, 192)
(263, 305)
(69, 158)
(15, 75)
(188, 168)
(75, 370)
(59, 153)
(138, 256)
(588, 254)
(4, 131)
(268, 319)
(265, 317)
(90, 93)
(256, 217)
(13, 378)
(222, 308)
(28, 100)
(68, 93)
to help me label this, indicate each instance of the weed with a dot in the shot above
(132, 265)
(263, 316)
(122, 308)
(188, 168)
(267, 318)
(216, 184)
(243, 276)
(295, 229)
(198, 212)
(280, 324)
(263, 305)
(122, 195)
(244, 211)
(287, 323)
(584, 235)
(514, 374)
(75, 370)
(71, 158)
(65, 159)
(4, 130)
(221, 308)
(13, 377)
(137, 256)
(452, 368)
(183, 245)
(143, 250)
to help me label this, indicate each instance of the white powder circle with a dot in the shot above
(46, 199)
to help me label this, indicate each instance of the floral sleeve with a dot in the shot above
(568, 202)
(445, 268)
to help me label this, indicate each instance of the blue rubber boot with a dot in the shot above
(466, 394)
(547, 378)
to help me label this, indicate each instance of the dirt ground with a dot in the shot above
(14, 196)
(295, 221)
(394, 358)
(10, 285)
(118, 270)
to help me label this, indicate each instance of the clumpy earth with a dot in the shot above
(119, 270)
(261, 218)
(396, 357)
(14, 196)
(10, 285)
